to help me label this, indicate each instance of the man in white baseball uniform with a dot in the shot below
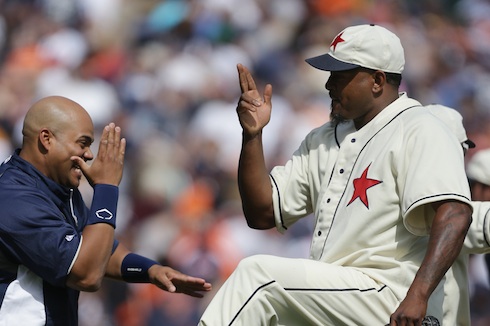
(385, 180)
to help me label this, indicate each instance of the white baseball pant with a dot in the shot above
(270, 290)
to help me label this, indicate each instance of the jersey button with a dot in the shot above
(319, 233)
(341, 171)
(328, 200)
(353, 140)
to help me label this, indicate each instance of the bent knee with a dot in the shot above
(263, 265)
(253, 262)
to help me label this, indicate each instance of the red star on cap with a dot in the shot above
(361, 185)
(337, 40)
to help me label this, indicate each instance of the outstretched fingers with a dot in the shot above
(111, 143)
(268, 94)
(122, 151)
(247, 82)
(242, 79)
(104, 142)
(191, 286)
(107, 167)
(119, 145)
(174, 281)
(112, 146)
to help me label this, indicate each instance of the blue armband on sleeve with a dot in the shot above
(104, 205)
(134, 268)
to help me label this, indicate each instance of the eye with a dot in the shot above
(84, 144)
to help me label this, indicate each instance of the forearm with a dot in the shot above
(254, 185)
(97, 240)
(447, 235)
(89, 268)
(113, 269)
(132, 268)
(129, 267)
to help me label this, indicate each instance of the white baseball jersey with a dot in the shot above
(370, 189)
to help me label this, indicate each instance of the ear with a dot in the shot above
(45, 140)
(379, 81)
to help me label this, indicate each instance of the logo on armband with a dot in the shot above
(104, 214)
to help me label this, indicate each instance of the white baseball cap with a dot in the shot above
(454, 120)
(368, 46)
(478, 168)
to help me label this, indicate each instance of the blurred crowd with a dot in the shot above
(165, 71)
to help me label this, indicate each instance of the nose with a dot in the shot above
(88, 155)
(328, 84)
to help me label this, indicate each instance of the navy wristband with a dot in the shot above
(134, 268)
(104, 205)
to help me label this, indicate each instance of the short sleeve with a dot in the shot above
(35, 233)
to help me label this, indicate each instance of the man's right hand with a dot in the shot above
(254, 112)
(107, 167)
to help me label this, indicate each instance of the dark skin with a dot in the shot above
(447, 234)
(358, 95)
(253, 177)
(479, 191)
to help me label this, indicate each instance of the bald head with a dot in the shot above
(53, 127)
(54, 113)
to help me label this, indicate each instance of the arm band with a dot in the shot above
(104, 204)
(134, 268)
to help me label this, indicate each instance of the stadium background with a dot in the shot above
(166, 72)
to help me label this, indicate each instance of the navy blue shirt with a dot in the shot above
(41, 225)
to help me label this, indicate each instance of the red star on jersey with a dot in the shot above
(361, 185)
(337, 40)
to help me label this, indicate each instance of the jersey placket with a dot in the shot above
(333, 193)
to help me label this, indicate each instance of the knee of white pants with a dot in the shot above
(255, 262)
(254, 268)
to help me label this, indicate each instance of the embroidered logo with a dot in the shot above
(337, 40)
(69, 237)
(104, 214)
(361, 185)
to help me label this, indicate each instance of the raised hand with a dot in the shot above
(254, 111)
(107, 167)
(171, 280)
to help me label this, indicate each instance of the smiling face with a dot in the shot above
(352, 95)
(55, 130)
(73, 139)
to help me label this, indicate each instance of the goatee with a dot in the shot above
(337, 118)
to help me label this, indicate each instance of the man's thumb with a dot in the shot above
(80, 162)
